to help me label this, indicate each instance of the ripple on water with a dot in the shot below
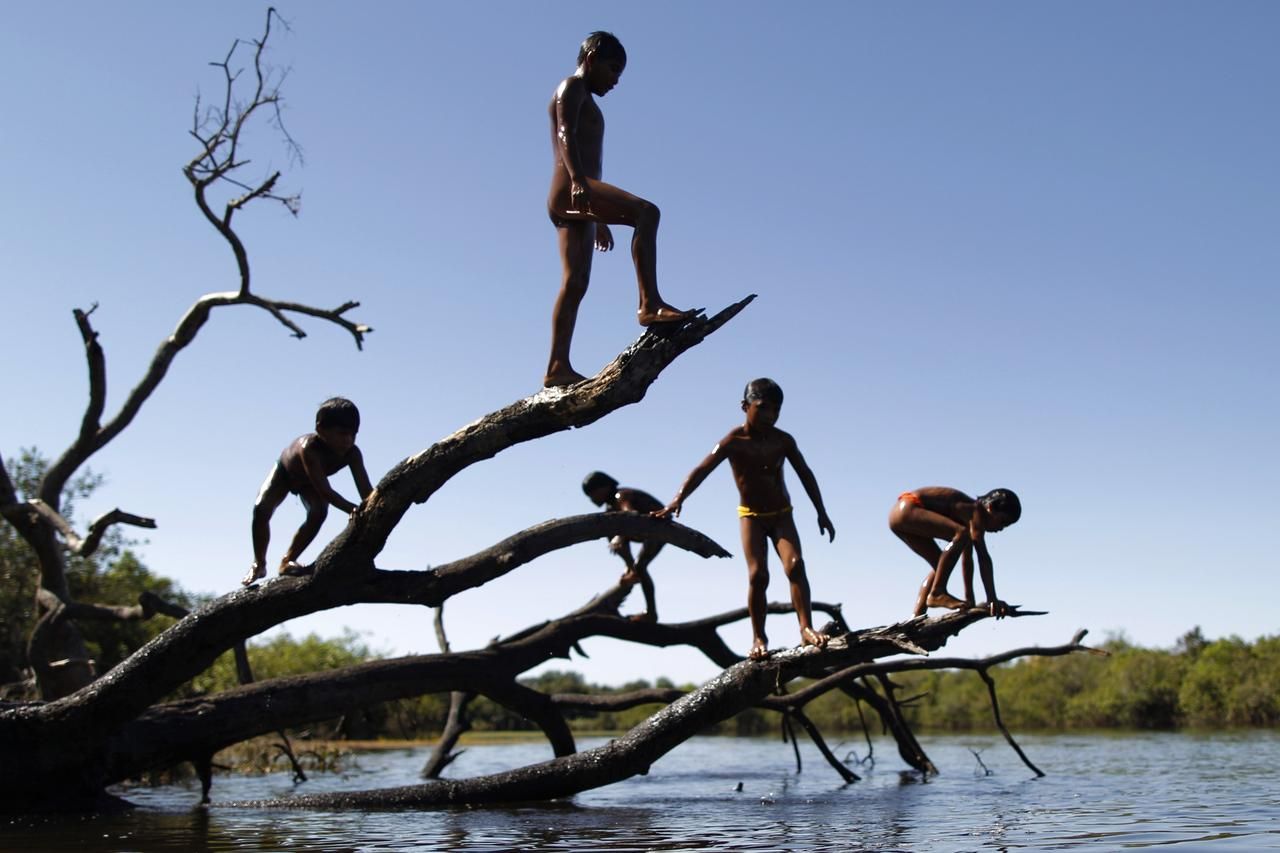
(1103, 792)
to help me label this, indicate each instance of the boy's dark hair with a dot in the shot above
(1004, 502)
(338, 412)
(764, 390)
(595, 480)
(606, 46)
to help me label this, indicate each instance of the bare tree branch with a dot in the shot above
(434, 586)
(741, 686)
(170, 735)
(816, 736)
(995, 711)
(195, 642)
(219, 133)
(87, 444)
(616, 701)
(456, 724)
(8, 493)
(789, 736)
(104, 521)
(536, 707)
(97, 376)
(87, 546)
(621, 383)
(438, 621)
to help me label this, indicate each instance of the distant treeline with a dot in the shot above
(1228, 682)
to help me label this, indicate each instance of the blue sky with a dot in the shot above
(995, 243)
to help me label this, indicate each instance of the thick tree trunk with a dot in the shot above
(740, 687)
(67, 748)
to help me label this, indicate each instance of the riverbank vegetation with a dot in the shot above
(1199, 683)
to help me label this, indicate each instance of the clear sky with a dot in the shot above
(1031, 245)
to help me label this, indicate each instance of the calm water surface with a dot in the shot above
(1104, 792)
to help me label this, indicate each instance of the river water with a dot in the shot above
(1103, 792)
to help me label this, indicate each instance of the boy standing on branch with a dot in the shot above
(582, 207)
(756, 452)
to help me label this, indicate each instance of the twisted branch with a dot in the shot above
(89, 544)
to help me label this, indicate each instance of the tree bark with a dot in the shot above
(737, 688)
(88, 737)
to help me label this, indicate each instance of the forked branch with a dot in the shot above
(89, 544)
(219, 129)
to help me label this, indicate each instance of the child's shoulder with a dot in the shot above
(637, 500)
(298, 445)
(571, 84)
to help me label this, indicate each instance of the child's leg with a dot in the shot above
(918, 528)
(648, 551)
(317, 508)
(786, 541)
(938, 595)
(576, 238)
(616, 206)
(755, 549)
(274, 490)
(932, 554)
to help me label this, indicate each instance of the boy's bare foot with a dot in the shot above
(759, 651)
(629, 578)
(644, 617)
(947, 600)
(256, 573)
(561, 378)
(664, 314)
(296, 570)
(811, 637)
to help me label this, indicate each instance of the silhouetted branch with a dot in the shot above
(816, 736)
(457, 721)
(995, 711)
(789, 735)
(219, 133)
(455, 726)
(620, 701)
(622, 382)
(87, 546)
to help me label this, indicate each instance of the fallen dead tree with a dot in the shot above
(62, 752)
(741, 686)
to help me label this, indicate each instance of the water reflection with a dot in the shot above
(1103, 792)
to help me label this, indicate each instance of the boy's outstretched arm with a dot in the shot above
(359, 474)
(316, 476)
(695, 478)
(810, 483)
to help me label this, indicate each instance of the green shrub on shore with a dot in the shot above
(1220, 683)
